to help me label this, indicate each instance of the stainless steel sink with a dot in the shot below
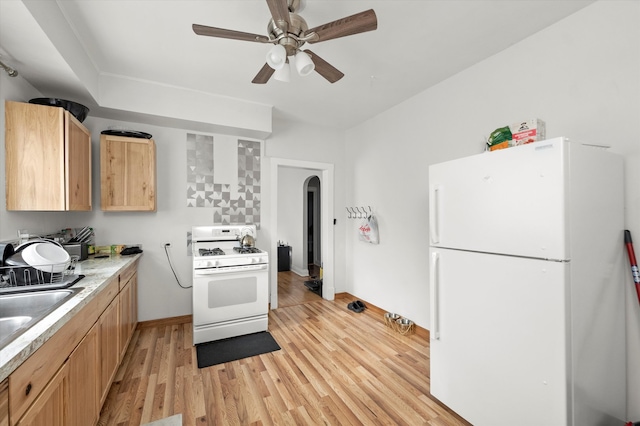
(19, 312)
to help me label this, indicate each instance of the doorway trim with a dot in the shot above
(325, 172)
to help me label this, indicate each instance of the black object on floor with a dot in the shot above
(315, 286)
(234, 348)
(356, 306)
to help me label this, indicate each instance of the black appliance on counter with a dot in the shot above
(77, 249)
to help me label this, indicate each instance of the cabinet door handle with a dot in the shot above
(27, 391)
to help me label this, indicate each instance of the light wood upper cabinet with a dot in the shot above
(47, 158)
(127, 174)
(78, 165)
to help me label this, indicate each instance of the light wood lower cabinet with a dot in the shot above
(66, 381)
(84, 363)
(4, 402)
(109, 351)
(51, 406)
(128, 312)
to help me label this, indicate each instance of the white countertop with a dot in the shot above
(97, 274)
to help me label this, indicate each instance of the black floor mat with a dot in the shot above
(235, 348)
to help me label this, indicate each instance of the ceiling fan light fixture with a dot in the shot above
(283, 74)
(304, 64)
(288, 32)
(277, 56)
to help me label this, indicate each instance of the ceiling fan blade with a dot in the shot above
(234, 35)
(263, 75)
(280, 13)
(324, 68)
(354, 24)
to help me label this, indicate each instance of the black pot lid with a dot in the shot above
(127, 133)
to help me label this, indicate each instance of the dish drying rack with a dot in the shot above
(20, 278)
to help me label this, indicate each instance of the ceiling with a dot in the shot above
(417, 44)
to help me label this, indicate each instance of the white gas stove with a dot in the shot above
(230, 283)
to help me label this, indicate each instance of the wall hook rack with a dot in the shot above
(357, 213)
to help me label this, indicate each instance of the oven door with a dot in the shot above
(229, 302)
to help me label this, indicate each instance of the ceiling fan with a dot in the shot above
(288, 32)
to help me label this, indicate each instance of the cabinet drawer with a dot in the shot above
(126, 275)
(107, 295)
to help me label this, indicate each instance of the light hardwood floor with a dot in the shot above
(336, 367)
(291, 290)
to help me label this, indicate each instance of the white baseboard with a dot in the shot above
(299, 271)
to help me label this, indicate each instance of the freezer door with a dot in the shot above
(510, 201)
(499, 342)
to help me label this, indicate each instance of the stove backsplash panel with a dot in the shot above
(236, 202)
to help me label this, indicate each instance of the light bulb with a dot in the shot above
(304, 64)
(283, 74)
(277, 56)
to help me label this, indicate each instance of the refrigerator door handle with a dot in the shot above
(435, 315)
(434, 224)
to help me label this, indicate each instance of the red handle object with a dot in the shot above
(632, 261)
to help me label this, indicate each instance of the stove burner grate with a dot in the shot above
(211, 252)
(245, 250)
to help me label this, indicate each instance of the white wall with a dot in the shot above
(581, 76)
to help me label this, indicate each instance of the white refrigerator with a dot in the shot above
(527, 286)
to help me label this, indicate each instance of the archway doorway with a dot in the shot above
(312, 225)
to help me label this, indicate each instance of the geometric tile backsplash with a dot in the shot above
(213, 182)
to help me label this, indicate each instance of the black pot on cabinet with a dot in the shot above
(79, 111)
